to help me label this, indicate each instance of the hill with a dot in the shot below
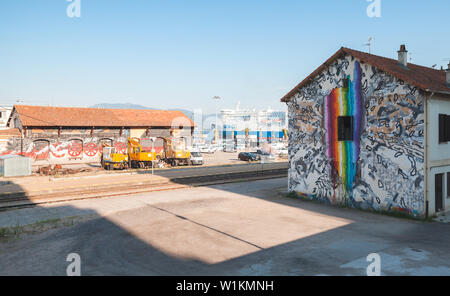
(188, 113)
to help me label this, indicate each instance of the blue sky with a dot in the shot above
(179, 54)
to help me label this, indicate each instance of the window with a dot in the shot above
(444, 128)
(345, 128)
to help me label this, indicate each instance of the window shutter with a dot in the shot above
(340, 129)
(448, 128)
(442, 128)
(448, 185)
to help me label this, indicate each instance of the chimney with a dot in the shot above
(403, 56)
(447, 74)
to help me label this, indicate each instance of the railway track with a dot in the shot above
(23, 199)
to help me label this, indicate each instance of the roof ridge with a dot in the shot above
(391, 59)
(425, 78)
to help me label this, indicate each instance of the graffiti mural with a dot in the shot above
(90, 149)
(344, 155)
(121, 147)
(59, 151)
(75, 149)
(381, 168)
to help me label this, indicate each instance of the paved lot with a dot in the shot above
(38, 185)
(234, 229)
(210, 159)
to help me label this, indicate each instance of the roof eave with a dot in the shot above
(311, 76)
(441, 92)
(346, 51)
(10, 116)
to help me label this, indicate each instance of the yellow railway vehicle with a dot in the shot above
(175, 152)
(139, 159)
(110, 159)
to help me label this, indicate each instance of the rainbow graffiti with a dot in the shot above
(344, 101)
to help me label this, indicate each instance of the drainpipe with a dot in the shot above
(427, 202)
(21, 144)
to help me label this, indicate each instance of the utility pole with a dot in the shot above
(216, 132)
(369, 44)
(153, 139)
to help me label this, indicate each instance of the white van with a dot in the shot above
(196, 158)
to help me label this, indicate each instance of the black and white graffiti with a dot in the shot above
(390, 168)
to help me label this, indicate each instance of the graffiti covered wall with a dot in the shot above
(67, 146)
(382, 168)
(48, 146)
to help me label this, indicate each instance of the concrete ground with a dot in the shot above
(210, 159)
(443, 217)
(39, 185)
(234, 229)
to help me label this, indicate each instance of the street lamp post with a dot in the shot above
(153, 152)
(216, 132)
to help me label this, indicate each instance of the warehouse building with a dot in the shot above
(252, 128)
(61, 135)
(372, 132)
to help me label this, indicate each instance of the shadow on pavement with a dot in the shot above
(255, 233)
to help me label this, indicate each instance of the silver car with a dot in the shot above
(196, 158)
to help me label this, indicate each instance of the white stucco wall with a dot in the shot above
(5, 113)
(438, 153)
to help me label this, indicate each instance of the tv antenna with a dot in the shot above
(446, 60)
(369, 43)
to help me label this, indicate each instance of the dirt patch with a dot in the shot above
(58, 170)
(8, 234)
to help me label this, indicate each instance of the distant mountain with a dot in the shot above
(188, 113)
(120, 106)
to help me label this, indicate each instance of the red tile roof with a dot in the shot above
(95, 117)
(427, 79)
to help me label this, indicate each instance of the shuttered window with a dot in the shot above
(444, 128)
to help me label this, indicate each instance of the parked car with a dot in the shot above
(258, 156)
(218, 147)
(196, 158)
(206, 149)
(262, 152)
(283, 153)
(264, 155)
(229, 148)
(247, 156)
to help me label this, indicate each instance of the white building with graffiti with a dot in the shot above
(372, 132)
